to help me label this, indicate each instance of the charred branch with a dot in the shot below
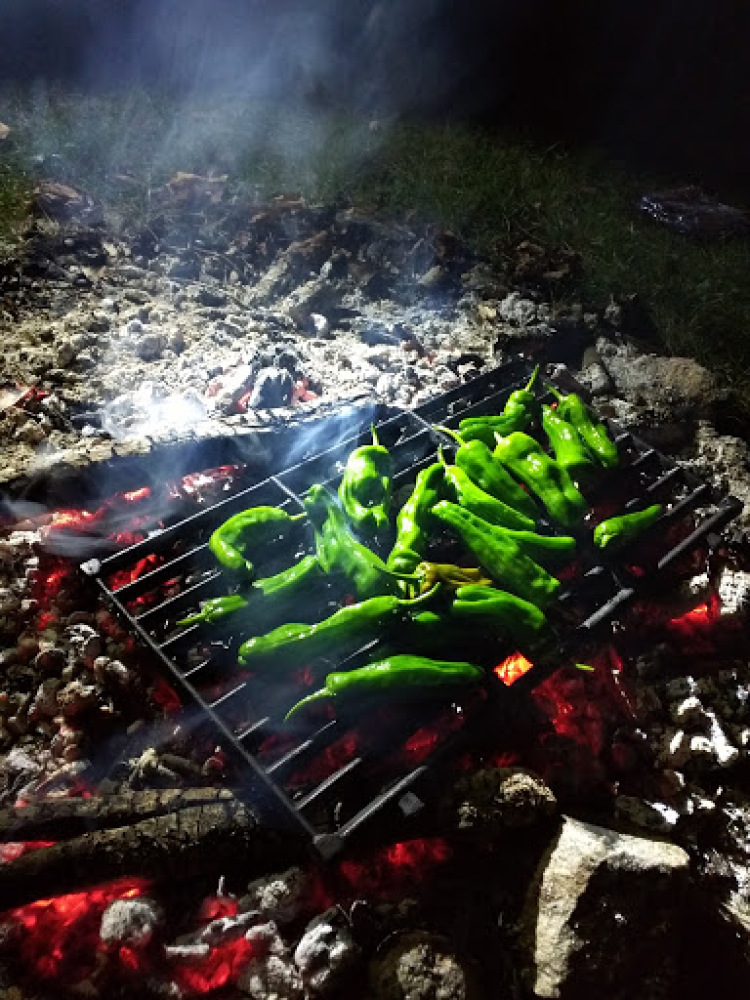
(199, 841)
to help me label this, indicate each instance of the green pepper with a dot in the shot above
(500, 555)
(573, 409)
(477, 461)
(618, 531)
(272, 598)
(413, 521)
(518, 413)
(344, 632)
(548, 481)
(447, 574)
(523, 622)
(365, 488)
(247, 530)
(571, 452)
(338, 551)
(464, 492)
(394, 676)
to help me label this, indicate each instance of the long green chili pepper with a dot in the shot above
(523, 622)
(245, 531)
(500, 555)
(366, 487)
(272, 599)
(477, 461)
(397, 675)
(464, 492)
(338, 551)
(573, 409)
(618, 531)
(571, 452)
(344, 632)
(518, 413)
(548, 481)
(413, 521)
(449, 575)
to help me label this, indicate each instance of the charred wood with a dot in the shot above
(200, 841)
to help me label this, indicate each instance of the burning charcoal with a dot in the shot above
(490, 802)
(326, 951)
(677, 748)
(130, 922)
(273, 388)
(279, 897)
(225, 929)
(51, 660)
(420, 966)
(273, 977)
(602, 914)
(689, 712)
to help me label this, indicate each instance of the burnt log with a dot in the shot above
(61, 819)
(199, 841)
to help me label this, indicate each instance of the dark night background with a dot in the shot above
(662, 83)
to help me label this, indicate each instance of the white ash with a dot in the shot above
(131, 921)
(281, 897)
(733, 590)
(326, 951)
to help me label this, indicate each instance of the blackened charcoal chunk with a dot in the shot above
(273, 387)
(288, 359)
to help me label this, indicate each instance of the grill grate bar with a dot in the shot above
(587, 603)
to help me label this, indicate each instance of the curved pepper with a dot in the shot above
(449, 575)
(477, 461)
(573, 409)
(518, 413)
(523, 622)
(338, 551)
(394, 676)
(569, 447)
(342, 633)
(412, 523)
(464, 492)
(618, 531)
(270, 599)
(366, 486)
(549, 482)
(500, 555)
(246, 530)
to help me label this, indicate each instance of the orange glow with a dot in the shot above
(133, 496)
(701, 614)
(391, 871)
(219, 967)
(60, 936)
(513, 667)
(164, 695)
(334, 757)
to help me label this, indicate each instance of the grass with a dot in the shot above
(492, 189)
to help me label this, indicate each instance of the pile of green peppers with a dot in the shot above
(493, 500)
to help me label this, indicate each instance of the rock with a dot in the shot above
(726, 460)
(130, 922)
(273, 387)
(488, 803)
(601, 917)
(150, 347)
(326, 951)
(422, 966)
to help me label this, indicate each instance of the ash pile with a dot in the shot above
(611, 851)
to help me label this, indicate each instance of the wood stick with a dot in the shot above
(196, 842)
(60, 819)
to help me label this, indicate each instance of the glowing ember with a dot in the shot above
(392, 871)
(220, 966)
(513, 667)
(59, 938)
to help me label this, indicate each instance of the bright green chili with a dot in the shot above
(464, 492)
(395, 676)
(573, 409)
(571, 452)
(366, 487)
(548, 481)
(247, 530)
(413, 521)
(500, 555)
(615, 532)
(518, 413)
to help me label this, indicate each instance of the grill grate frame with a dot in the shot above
(602, 591)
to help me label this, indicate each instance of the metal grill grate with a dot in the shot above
(329, 782)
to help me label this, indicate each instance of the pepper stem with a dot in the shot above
(532, 380)
(423, 598)
(304, 702)
(451, 433)
(298, 517)
(555, 392)
(374, 433)
(441, 457)
(584, 666)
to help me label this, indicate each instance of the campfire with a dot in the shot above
(167, 833)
